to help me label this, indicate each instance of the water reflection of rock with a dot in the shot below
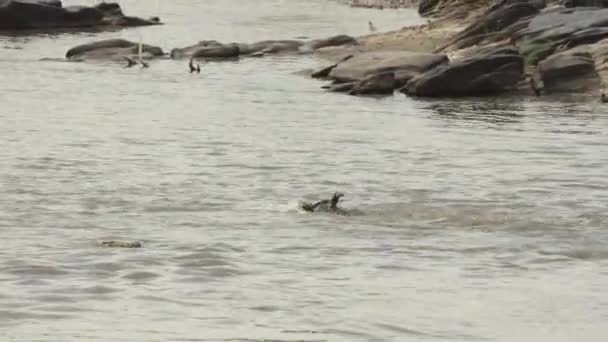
(485, 111)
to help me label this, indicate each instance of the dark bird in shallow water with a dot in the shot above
(327, 205)
(603, 98)
(194, 68)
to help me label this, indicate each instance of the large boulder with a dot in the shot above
(49, 14)
(489, 71)
(495, 20)
(218, 51)
(557, 29)
(339, 40)
(380, 83)
(404, 65)
(112, 49)
(569, 71)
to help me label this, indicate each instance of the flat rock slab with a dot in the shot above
(404, 64)
(112, 49)
(555, 28)
(215, 49)
(51, 15)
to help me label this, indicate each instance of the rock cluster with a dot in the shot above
(52, 15)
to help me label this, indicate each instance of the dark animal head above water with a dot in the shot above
(326, 205)
(335, 199)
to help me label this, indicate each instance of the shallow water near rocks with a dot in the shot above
(482, 219)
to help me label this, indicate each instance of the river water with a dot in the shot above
(481, 219)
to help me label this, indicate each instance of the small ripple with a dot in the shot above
(37, 270)
(98, 290)
(141, 276)
(580, 254)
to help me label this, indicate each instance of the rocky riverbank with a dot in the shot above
(467, 47)
(485, 47)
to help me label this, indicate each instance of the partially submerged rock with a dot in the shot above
(378, 84)
(339, 40)
(215, 49)
(405, 65)
(325, 71)
(113, 49)
(490, 71)
(378, 72)
(120, 244)
(50, 14)
(570, 71)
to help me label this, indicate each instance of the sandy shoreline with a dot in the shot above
(419, 38)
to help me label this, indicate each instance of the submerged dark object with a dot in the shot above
(327, 205)
(120, 244)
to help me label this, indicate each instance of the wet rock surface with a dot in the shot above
(51, 15)
(488, 72)
(218, 50)
(376, 84)
(112, 49)
(569, 71)
(404, 63)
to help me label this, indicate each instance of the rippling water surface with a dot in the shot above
(481, 219)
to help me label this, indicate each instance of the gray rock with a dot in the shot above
(381, 83)
(491, 71)
(187, 52)
(215, 49)
(493, 21)
(558, 29)
(50, 15)
(112, 49)
(324, 72)
(569, 71)
(339, 40)
(404, 64)
(220, 52)
(340, 87)
(258, 49)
